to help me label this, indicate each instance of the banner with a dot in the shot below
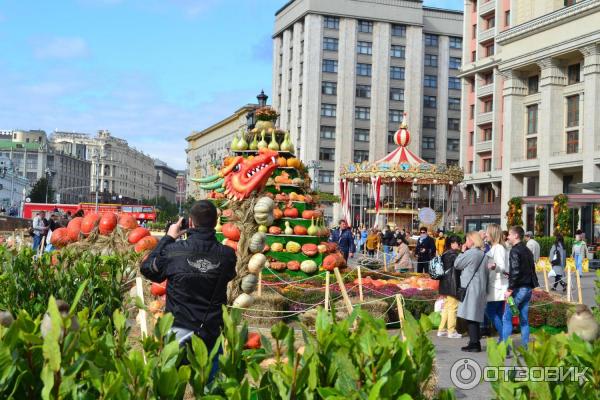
(345, 200)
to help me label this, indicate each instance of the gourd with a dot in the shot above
(244, 300)
(88, 223)
(242, 144)
(74, 228)
(277, 247)
(308, 266)
(309, 249)
(300, 230)
(234, 142)
(263, 211)
(249, 283)
(288, 229)
(263, 143)
(275, 230)
(291, 212)
(231, 231)
(308, 214)
(322, 248)
(273, 145)
(127, 221)
(218, 227)
(256, 263)
(277, 213)
(293, 265)
(333, 261)
(257, 242)
(293, 162)
(278, 266)
(137, 234)
(146, 243)
(264, 219)
(312, 229)
(287, 145)
(292, 247)
(60, 237)
(254, 144)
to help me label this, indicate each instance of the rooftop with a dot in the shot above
(6, 145)
(286, 5)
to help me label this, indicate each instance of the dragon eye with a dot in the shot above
(236, 168)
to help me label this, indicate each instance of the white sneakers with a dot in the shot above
(452, 335)
(442, 333)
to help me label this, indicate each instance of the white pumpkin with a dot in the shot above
(264, 205)
(308, 266)
(249, 283)
(264, 218)
(257, 242)
(244, 300)
(256, 263)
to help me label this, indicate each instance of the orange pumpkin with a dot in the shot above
(300, 230)
(307, 214)
(291, 212)
(127, 221)
(332, 261)
(146, 243)
(293, 162)
(60, 237)
(275, 230)
(331, 247)
(281, 161)
(137, 234)
(158, 289)
(253, 342)
(231, 231)
(293, 265)
(277, 213)
(309, 249)
(74, 228)
(107, 223)
(88, 223)
(231, 243)
(282, 197)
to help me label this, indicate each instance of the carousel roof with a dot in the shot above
(402, 165)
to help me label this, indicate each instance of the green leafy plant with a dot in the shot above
(540, 220)
(515, 212)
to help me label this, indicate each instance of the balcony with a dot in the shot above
(485, 90)
(484, 36)
(485, 117)
(484, 146)
(486, 6)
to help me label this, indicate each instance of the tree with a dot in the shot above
(166, 210)
(38, 192)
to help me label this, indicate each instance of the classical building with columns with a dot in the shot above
(531, 95)
(344, 72)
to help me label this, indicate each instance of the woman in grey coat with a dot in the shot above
(474, 277)
(558, 259)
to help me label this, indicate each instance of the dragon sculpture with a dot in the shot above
(242, 176)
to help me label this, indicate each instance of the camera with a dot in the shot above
(185, 224)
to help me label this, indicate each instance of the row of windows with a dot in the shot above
(363, 69)
(430, 122)
(431, 102)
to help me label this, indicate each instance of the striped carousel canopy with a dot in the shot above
(402, 155)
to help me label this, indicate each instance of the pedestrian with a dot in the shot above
(39, 229)
(424, 251)
(498, 276)
(533, 246)
(473, 282)
(344, 239)
(53, 224)
(579, 251)
(449, 285)
(558, 260)
(440, 243)
(389, 241)
(363, 238)
(521, 281)
(372, 242)
(507, 244)
(197, 271)
(402, 262)
(486, 245)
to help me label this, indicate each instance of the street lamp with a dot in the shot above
(49, 174)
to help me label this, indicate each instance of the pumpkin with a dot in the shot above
(126, 221)
(244, 300)
(291, 212)
(300, 230)
(331, 247)
(264, 218)
(74, 228)
(331, 262)
(228, 213)
(158, 289)
(308, 266)
(146, 243)
(107, 223)
(294, 196)
(292, 247)
(293, 162)
(293, 265)
(275, 230)
(253, 342)
(282, 162)
(317, 213)
(263, 229)
(264, 205)
(322, 248)
(277, 266)
(307, 214)
(88, 223)
(231, 243)
(60, 237)
(277, 213)
(281, 197)
(137, 234)
(256, 263)
(277, 247)
(257, 242)
(231, 231)
(309, 249)
(249, 283)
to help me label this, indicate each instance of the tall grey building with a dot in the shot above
(345, 71)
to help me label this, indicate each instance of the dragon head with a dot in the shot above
(242, 176)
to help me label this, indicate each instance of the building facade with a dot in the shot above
(69, 177)
(13, 187)
(120, 172)
(181, 194)
(166, 181)
(27, 151)
(345, 71)
(531, 91)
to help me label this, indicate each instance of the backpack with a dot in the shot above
(436, 268)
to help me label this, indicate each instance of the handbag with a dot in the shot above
(461, 292)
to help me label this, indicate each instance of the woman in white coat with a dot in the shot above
(498, 276)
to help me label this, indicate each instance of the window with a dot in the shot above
(568, 3)
(328, 110)
(453, 103)
(472, 111)
(428, 143)
(365, 26)
(486, 134)
(398, 30)
(486, 164)
(329, 88)
(363, 113)
(573, 111)
(431, 81)
(396, 94)
(454, 83)
(391, 135)
(330, 44)
(431, 60)
(490, 22)
(471, 138)
(332, 22)
(574, 73)
(453, 145)
(361, 155)
(361, 135)
(489, 49)
(532, 119)
(429, 122)
(325, 176)
(363, 91)
(455, 42)
(429, 101)
(327, 132)
(507, 18)
(533, 84)
(431, 40)
(474, 31)
(395, 115)
(327, 154)
(473, 56)
(363, 69)
(398, 51)
(330, 66)
(488, 195)
(488, 104)
(452, 163)
(455, 62)
(365, 48)
(572, 142)
(531, 148)
(397, 73)
(453, 124)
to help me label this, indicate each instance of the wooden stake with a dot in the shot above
(545, 277)
(360, 288)
(384, 260)
(578, 281)
(142, 313)
(343, 289)
(568, 284)
(259, 291)
(400, 315)
(327, 273)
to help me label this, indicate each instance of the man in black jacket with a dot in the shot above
(198, 270)
(424, 251)
(521, 281)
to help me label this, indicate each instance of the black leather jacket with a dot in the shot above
(193, 268)
(521, 268)
(450, 282)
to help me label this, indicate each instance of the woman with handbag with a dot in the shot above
(448, 287)
(558, 259)
(472, 292)
(498, 275)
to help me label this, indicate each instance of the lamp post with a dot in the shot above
(315, 165)
(49, 174)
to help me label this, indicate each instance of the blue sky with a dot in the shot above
(150, 71)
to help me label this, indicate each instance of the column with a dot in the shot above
(380, 91)
(311, 88)
(285, 79)
(275, 100)
(590, 138)
(413, 85)
(297, 66)
(442, 95)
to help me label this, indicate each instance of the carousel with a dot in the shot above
(400, 189)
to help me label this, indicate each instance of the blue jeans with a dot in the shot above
(388, 253)
(37, 240)
(522, 296)
(579, 263)
(493, 310)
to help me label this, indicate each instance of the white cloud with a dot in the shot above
(60, 47)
